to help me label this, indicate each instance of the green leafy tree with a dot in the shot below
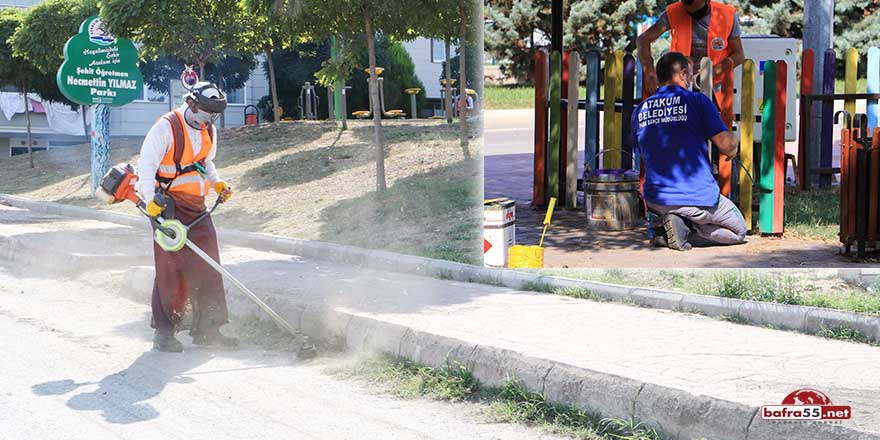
(16, 71)
(606, 24)
(325, 18)
(443, 26)
(470, 24)
(510, 36)
(202, 33)
(518, 28)
(275, 27)
(399, 75)
(44, 30)
(294, 67)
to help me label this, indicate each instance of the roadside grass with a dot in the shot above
(572, 292)
(813, 214)
(774, 287)
(523, 96)
(840, 85)
(510, 403)
(407, 216)
(516, 96)
(846, 334)
(508, 97)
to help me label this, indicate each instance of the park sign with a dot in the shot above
(99, 68)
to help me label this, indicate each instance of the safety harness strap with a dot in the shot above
(179, 143)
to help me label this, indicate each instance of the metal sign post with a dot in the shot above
(101, 70)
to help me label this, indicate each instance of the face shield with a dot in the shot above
(209, 102)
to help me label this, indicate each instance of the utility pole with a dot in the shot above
(818, 33)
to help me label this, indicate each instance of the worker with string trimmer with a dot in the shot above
(176, 172)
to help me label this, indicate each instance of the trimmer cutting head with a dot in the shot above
(118, 185)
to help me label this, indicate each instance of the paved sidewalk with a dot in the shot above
(508, 172)
(684, 359)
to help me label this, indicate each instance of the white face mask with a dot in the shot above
(197, 119)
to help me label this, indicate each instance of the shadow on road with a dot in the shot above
(122, 396)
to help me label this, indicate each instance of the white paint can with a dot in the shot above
(499, 231)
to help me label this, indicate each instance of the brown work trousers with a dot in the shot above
(183, 277)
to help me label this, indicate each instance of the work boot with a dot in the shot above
(215, 338)
(165, 341)
(677, 232)
(659, 240)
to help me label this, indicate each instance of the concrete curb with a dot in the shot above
(804, 319)
(677, 414)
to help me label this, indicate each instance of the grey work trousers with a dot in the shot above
(719, 224)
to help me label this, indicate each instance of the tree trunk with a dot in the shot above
(222, 85)
(272, 87)
(27, 115)
(448, 86)
(201, 70)
(377, 111)
(462, 83)
(170, 95)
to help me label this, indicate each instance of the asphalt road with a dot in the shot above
(77, 364)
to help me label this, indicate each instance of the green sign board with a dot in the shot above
(99, 68)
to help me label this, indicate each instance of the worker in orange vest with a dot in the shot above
(700, 28)
(177, 162)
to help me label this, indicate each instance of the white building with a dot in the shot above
(135, 118)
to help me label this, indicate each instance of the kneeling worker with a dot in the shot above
(670, 129)
(177, 160)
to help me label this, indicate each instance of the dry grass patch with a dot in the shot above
(307, 180)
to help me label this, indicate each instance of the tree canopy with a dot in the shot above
(203, 33)
(610, 24)
(46, 28)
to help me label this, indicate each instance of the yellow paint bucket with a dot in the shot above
(530, 257)
(525, 257)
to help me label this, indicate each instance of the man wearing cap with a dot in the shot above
(700, 28)
(177, 164)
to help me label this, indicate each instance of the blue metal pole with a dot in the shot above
(100, 144)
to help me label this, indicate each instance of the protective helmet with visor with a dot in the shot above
(208, 100)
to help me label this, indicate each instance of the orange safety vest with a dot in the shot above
(720, 26)
(178, 172)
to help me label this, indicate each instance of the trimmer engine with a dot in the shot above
(118, 185)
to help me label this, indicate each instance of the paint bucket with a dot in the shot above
(531, 257)
(611, 199)
(499, 231)
(526, 257)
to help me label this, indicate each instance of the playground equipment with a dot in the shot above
(308, 102)
(556, 151)
(453, 91)
(366, 114)
(251, 115)
(412, 92)
(471, 102)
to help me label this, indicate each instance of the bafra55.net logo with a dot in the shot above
(806, 405)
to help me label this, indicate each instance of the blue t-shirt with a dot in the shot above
(670, 129)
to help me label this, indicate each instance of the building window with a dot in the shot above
(438, 51)
(150, 95)
(236, 96)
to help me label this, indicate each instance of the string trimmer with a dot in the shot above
(118, 185)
